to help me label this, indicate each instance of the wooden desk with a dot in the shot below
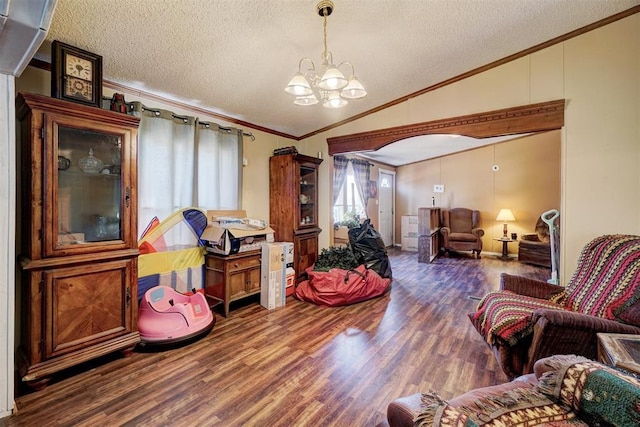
(620, 351)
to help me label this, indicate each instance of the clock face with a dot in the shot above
(78, 88)
(78, 67)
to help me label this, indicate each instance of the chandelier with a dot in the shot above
(327, 83)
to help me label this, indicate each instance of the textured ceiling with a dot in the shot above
(234, 57)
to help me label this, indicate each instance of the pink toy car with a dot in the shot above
(166, 316)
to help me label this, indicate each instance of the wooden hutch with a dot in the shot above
(77, 234)
(293, 206)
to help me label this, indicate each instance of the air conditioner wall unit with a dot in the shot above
(23, 27)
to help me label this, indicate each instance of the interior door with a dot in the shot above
(386, 199)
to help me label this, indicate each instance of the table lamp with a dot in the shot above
(505, 215)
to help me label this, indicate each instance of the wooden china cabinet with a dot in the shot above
(77, 235)
(293, 206)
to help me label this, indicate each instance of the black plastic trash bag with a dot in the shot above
(369, 249)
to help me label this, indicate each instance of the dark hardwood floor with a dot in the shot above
(299, 365)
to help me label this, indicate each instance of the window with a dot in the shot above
(349, 201)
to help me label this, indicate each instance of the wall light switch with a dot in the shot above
(245, 161)
(438, 188)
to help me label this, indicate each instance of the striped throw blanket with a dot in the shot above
(506, 316)
(606, 283)
(607, 279)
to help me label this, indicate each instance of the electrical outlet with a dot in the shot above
(438, 188)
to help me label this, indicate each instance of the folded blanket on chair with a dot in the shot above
(506, 316)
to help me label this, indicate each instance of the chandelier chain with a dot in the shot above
(324, 52)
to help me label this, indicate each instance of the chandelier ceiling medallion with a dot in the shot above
(327, 82)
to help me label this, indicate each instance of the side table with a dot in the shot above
(232, 277)
(505, 248)
(620, 351)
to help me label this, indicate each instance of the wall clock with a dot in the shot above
(76, 75)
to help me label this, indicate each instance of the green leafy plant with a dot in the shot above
(335, 257)
(350, 219)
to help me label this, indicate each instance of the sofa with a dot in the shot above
(535, 248)
(563, 390)
(526, 319)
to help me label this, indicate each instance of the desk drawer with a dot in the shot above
(234, 263)
(244, 263)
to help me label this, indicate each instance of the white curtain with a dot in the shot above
(219, 167)
(183, 163)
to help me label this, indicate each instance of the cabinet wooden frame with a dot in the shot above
(428, 234)
(77, 300)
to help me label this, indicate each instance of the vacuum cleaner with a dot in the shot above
(166, 316)
(549, 218)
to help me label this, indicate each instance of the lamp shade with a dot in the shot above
(354, 89)
(306, 100)
(505, 215)
(299, 86)
(332, 79)
(334, 100)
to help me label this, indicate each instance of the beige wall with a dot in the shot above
(598, 73)
(527, 182)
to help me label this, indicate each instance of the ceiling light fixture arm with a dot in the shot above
(353, 70)
(312, 68)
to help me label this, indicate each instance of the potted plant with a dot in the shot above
(350, 219)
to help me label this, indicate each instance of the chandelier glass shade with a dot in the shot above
(327, 83)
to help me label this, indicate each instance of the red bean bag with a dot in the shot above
(341, 287)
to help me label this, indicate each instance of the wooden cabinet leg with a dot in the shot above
(127, 352)
(39, 384)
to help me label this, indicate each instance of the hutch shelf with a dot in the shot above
(77, 235)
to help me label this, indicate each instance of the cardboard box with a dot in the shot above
(290, 273)
(224, 235)
(290, 289)
(409, 229)
(273, 271)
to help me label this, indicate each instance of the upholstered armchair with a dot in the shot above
(528, 319)
(460, 230)
(535, 248)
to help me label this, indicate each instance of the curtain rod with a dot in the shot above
(183, 118)
(362, 160)
(249, 134)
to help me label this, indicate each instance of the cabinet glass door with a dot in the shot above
(88, 187)
(307, 196)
